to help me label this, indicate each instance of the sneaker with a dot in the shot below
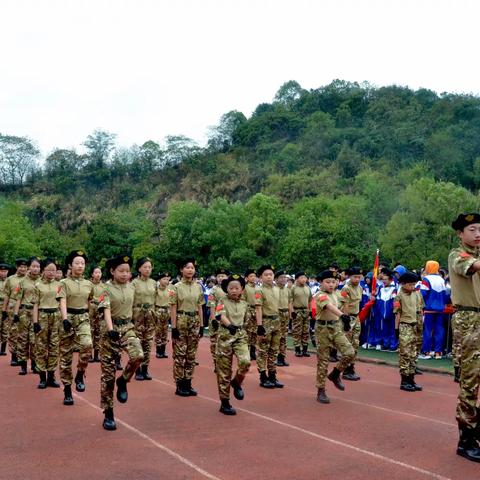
(424, 356)
(438, 356)
(365, 346)
(378, 347)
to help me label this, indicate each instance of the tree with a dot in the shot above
(100, 145)
(18, 156)
(288, 94)
(221, 136)
(178, 148)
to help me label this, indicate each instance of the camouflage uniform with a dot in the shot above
(329, 334)
(456, 340)
(10, 285)
(188, 297)
(4, 324)
(268, 297)
(162, 313)
(467, 324)
(251, 322)
(144, 314)
(284, 315)
(214, 299)
(25, 293)
(77, 292)
(229, 345)
(350, 298)
(300, 298)
(47, 340)
(119, 299)
(98, 289)
(409, 307)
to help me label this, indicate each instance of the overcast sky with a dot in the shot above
(144, 69)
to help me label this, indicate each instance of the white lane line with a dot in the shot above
(175, 455)
(425, 390)
(369, 453)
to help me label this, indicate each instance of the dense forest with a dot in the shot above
(317, 175)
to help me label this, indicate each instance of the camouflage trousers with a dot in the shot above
(79, 337)
(109, 352)
(12, 333)
(161, 328)
(251, 326)
(47, 341)
(4, 329)
(407, 348)
(145, 322)
(456, 340)
(213, 334)
(25, 336)
(354, 335)
(419, 337)
(467, 410)
(331, 336)
(269, 345)
(185, 347)
(94, 325)
(301, 327)
(227, 346)
(284, 318)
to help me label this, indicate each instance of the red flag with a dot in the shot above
(365, 312)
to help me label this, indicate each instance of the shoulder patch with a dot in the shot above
(171, 293)
(396, 304)
(211, 297)
(258, 295)
(464, 255)
(101, 298)
(59, 289)
(344, 293)
(219, 307)
(322, 298)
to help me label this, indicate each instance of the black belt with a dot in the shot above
(143, 305)
(467, 309)
(238, 328)
(27, 307)
(272, 317)
(120, 322)
(327, 322)
(283, 309)
(408, 323)
(48, 310)
(188, 314)
(300, 309)
(77, 311)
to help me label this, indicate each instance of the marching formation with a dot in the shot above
(46, 318)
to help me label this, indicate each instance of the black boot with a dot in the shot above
(456, 377)
(3, 349)
(67, 394)
(467, 445)
(417, 388)
(146, 375)
(281, 361)
(23, 367)
(418, 371)
(14, 361)
(33, 367)
(188, 387)
(95, 358)
(139, 374)
(181, 391)
(162, 352)
(51, 382)
(405, 384)
(253, 354)
(349, 374)
(264, 381)
(158, 353)
(322, 396)
(109, 420)
(272, 376)
(226, 408)
(79, 382)
(333, 355)
(118, 364)
(122, 394)
(334, 376)
(238, 392)
(43, 381)
(298, 352)
(305, 351)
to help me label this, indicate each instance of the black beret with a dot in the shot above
(142, 261)
(279, 273)
(46, 262)
(354, 271)
(163, 275)
(222, 271)
(75, 254)
(249, 272)
(409, 277)
(300, 274)
(464, 220)
(185, 261)
(326, 274)
(388, 273)
(334, 265)
(21, 261)
(5, 266)
(33, 259)
(114, 262)
(263, 268)
(232, 278)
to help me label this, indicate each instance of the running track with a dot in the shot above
(370, 431)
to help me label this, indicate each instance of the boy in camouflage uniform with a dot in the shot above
(118, 334)
(162, 313)
(98, 289)
(300, 299)
(284, 314)
(4, 324)
(232, 340)
(330, 328)
(463, 266)
(408, 306)
(249, 297)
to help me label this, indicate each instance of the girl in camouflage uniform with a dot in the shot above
(98, 288)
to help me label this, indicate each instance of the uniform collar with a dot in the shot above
(187, 282)
(473, 250)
